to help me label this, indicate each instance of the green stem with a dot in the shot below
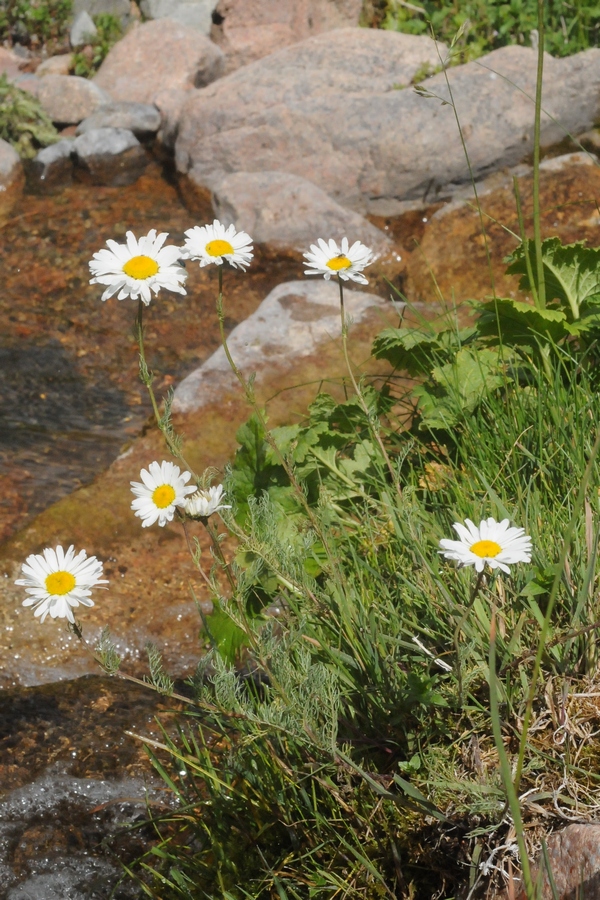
(457, 632)
(511, 789)
(537, 231)
(374, 431)
(525, 242)
(146, 377)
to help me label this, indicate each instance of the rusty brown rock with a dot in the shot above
(158, 56)
(251, 29)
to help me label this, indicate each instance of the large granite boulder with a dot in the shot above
(332, 110)
(286, 212)
(158, 56)
(141, 118)
(12, 180)
(250, 29)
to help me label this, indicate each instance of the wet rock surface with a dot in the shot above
(287, 212)
(53, 166)
(72, 783)
(12, 180)
(158, 56)
(109, 156)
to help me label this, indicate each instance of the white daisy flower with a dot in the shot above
(204, 503)
(137, 268)
(164, 487)
(494, 543)
(347, 262)
(214, 243)
(57, 581)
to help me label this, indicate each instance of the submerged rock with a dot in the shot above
(110, 156)
(53, 166)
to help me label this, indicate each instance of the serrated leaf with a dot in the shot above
(415, 350)
(571, 273)
(515, 322)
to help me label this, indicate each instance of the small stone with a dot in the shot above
(141, 118)
(83, 29)
(9, 64)
(190, 13)
(109, 156)
(287, 212)
(158, 56)
(68, 98)
(12, 180)
(117, 8)
(53, 166)
(590, 140)
(55, 65)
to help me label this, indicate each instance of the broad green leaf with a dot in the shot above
(416, 351)
(571, 273)
(515, 322)
(226, 635)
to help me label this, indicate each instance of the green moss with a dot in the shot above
(109, 32)
(23, 122)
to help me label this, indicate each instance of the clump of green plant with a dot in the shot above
(38, 22)
(570, 27)
(87, 62)
(23, 122)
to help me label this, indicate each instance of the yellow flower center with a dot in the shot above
(219, 248)
(140, 267)
(486, 549)
(60, 583)
(339, 262)
(163, 496)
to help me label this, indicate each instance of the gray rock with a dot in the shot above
(141, 118)
(117, 8)
(190, 13)
(55, 65)
(251, 29)
(109, 156)
(53, 166)
(329, 111)
(67, 98)
(290, 323)
(170, 103)
(82, 30)
(159, 56)
(12, 180)
(287, 212)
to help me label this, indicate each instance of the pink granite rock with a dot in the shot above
(286, 212)
(574, 856)
(67, 99)
(251, 29)
(159, 56)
